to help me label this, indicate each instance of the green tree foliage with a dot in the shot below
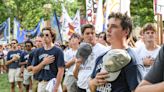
(142, 12)
(29, 12)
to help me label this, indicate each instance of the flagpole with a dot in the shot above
(9, 38)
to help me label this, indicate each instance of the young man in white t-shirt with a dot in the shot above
(70, 82)
(149, 51)
(83, 71)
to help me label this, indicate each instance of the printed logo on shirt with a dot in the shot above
(105, 88)
(14, 55)
(26, 57)
(42, 56)
(99, 67)
(47, 67)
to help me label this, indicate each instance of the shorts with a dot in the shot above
(34, 85)
(42, 86)
(2, 62)
(71, 83)
(27, 76)
(14, 75)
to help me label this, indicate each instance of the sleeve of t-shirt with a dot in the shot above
(156, 73)
(22, 57)
(35, 59)
(66, 56)
(133, 76)
(8, 56)
(30, 58)
(60, 59)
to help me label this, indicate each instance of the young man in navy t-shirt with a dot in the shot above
(49, 62)
(120, 27)
(13, 59)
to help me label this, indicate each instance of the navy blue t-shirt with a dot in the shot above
(49, 71)
(15, 64)
(32, 62)
(127, 80)
(27, 57)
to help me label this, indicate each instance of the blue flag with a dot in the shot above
(56, 26)
(4, 30)
(20, 34)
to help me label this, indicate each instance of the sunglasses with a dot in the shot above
(46, 35)
(13, 43)
(28, 45)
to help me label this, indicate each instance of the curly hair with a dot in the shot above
(126, 22)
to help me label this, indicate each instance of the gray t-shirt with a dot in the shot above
(156, 73)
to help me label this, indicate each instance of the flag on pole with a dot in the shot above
(3, 30)
(99, 17)
(37, 30)
(19, 33)
(55, 24)
(76, 22)
(65, 24)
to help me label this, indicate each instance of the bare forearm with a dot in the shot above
(92, 87)
(59, 77)
(159, 87)
(22, 63)
(37, 68)
(69, 64)
(9, 62)
(76, 71)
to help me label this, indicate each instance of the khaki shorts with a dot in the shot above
(2, 62)
(42, 86)
(27, 76)
(14, 75)
(34, 85)
(71, 83)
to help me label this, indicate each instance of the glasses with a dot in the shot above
(28, 45)
(13, 43)
(45, 35)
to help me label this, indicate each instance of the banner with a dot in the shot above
(5, 31)
(159, 7)
(99, 18)
(19, 33)
(122, 6)
(55, 24)
(65, 24)
(89, 11)
(76, 23)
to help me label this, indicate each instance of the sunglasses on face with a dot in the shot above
(28, 45)
(13, 43)
(45, 35)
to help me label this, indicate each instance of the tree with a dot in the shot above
(142, 12)
(29, 12)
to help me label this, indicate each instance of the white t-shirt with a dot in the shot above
(143, 53)
(86, 69)
(68, 55)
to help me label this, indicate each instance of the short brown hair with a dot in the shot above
(126, 22)
(15, 40)
(85, 26)
(149, 26)
(53, 34)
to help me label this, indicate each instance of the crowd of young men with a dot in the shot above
(35, 67)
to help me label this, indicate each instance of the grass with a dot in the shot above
(4, 83)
